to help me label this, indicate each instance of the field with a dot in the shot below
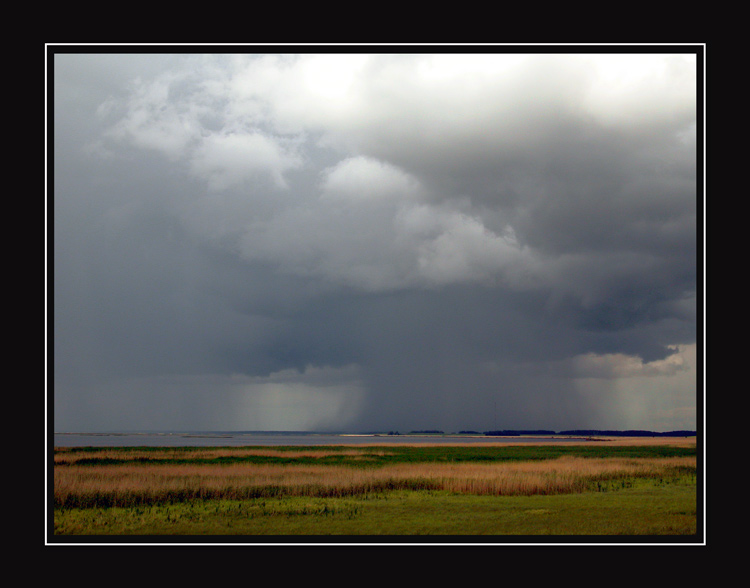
(605, 488)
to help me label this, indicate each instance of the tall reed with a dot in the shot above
(138, 484)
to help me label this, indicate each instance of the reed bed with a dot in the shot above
(69, 456)
(137, 484)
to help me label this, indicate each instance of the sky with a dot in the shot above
(373, 239)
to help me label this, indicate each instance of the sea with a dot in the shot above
(266, 438)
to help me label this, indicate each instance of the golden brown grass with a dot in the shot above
(128, 485)
(66, 456)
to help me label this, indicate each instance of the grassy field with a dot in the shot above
(589, 489)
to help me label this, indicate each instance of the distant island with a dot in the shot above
(573, 432)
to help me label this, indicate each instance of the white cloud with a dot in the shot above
(410, 106)
(410, 128)
(228, 160)
(636, 91)
(368, 237)
(465, 250)
(359, 179)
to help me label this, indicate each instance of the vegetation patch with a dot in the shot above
(364, 490)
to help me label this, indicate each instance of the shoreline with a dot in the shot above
(208, 439)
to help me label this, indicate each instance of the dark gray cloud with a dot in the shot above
(374, 241)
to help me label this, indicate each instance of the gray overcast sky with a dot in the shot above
(374, 241)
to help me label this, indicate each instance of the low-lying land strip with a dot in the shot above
(109, 478)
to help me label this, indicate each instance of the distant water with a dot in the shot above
(219, 439)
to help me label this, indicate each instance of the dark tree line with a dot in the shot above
(516, 433)
(628, 433)
(573, 432)
(591, 432)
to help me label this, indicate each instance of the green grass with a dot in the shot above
(375, 455)
(637, 508)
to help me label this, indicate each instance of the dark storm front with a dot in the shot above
(218, 266)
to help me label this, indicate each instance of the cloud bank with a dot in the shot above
(452, 241)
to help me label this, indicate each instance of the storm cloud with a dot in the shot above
(374, 241)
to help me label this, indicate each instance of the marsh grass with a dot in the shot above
(375, 490)
(71, 455)
(136, 484)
